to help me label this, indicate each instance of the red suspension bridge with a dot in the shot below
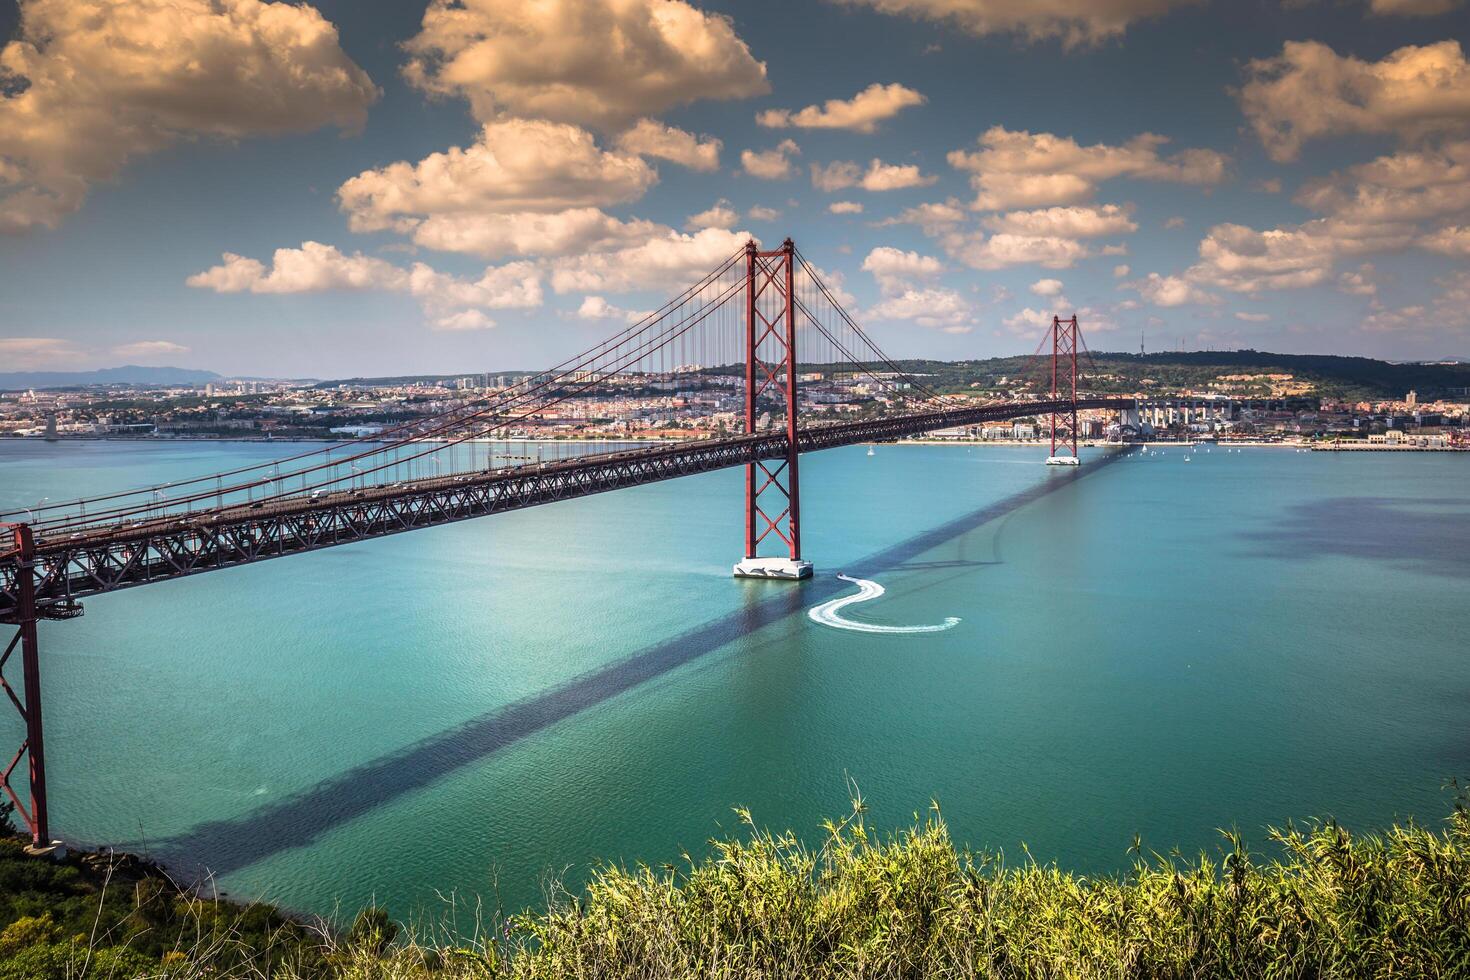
(760, 326)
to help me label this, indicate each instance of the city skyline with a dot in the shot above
(380, 189)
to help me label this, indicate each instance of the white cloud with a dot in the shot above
(1047, 287)
(861, 113)
(1004, 249)
(651, 138)
(1170, 291)
(464, 320)
(759, 213)
(1401, 187)
(1028, 321)
(893, 176)
(1449, 241)
(598, 308)
(1358, 283)
(1019, 169)
(895, 269)
(1253, 317)
(1245, 260)
(845, 207)
(1121, 271)
(602, 62)
(1072, 21)
(933, 219)
(516, 165)
(717, 215)
(933, 307)
(879, 176)
(1175, 222)
(150, 348)
(31, 353)
(774, 164)
(663, 261)
(525, 234)
(1065, 222)
(88, 85)
(315, 267)
(1309, 92)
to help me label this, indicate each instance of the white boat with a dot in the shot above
(870, 451)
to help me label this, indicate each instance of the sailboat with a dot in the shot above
(870, 450)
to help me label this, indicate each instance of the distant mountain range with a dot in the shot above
(128, 375)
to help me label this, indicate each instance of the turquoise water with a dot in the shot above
(1148, 645)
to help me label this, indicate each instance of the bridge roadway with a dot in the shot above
(76, 563)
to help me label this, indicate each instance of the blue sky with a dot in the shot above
(490, 184)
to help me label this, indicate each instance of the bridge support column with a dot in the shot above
(772, 488)
(1064, 372)
(33, 810)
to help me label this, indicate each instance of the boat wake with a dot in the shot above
(828, 612)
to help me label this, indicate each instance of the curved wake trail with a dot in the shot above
(828, 612)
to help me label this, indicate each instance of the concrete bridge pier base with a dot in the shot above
(773, 567)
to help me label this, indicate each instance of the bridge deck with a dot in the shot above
(102, 558)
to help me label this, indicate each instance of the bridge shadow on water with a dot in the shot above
(297, 820)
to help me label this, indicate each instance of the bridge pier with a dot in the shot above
(34, 816)
(770, 365)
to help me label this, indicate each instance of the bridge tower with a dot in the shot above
(772, 488)
(1064, 344)
(32, 812)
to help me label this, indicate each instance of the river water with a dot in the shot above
(1146, 644)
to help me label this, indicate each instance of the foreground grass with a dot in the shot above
(1331, 904)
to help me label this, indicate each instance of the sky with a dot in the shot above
(355, 187)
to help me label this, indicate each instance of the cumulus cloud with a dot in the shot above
(464, 320)
(1358, 283)
(1072, 21)
(905, 281)
(933, 219)
(1047, 287)
(526, 234)
(845, 207)
(1309, 91)
(759, 213)
(315, 267)
(774, 164)
(595, 62)
(1005, 249)
(651, 138)
(1253, 317)
(598, 308)
(515, 165)
(88, 85)
(1065, 222)
(1406, 186)
(1170, 291)
(1449, 241)
(1019, 169)
(893, 268)
(861, 113)
(1121, 271)
(717, 215)
(1245, 260)
(668, 259)
(149, 348)
(933, 307)
(879, 176)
